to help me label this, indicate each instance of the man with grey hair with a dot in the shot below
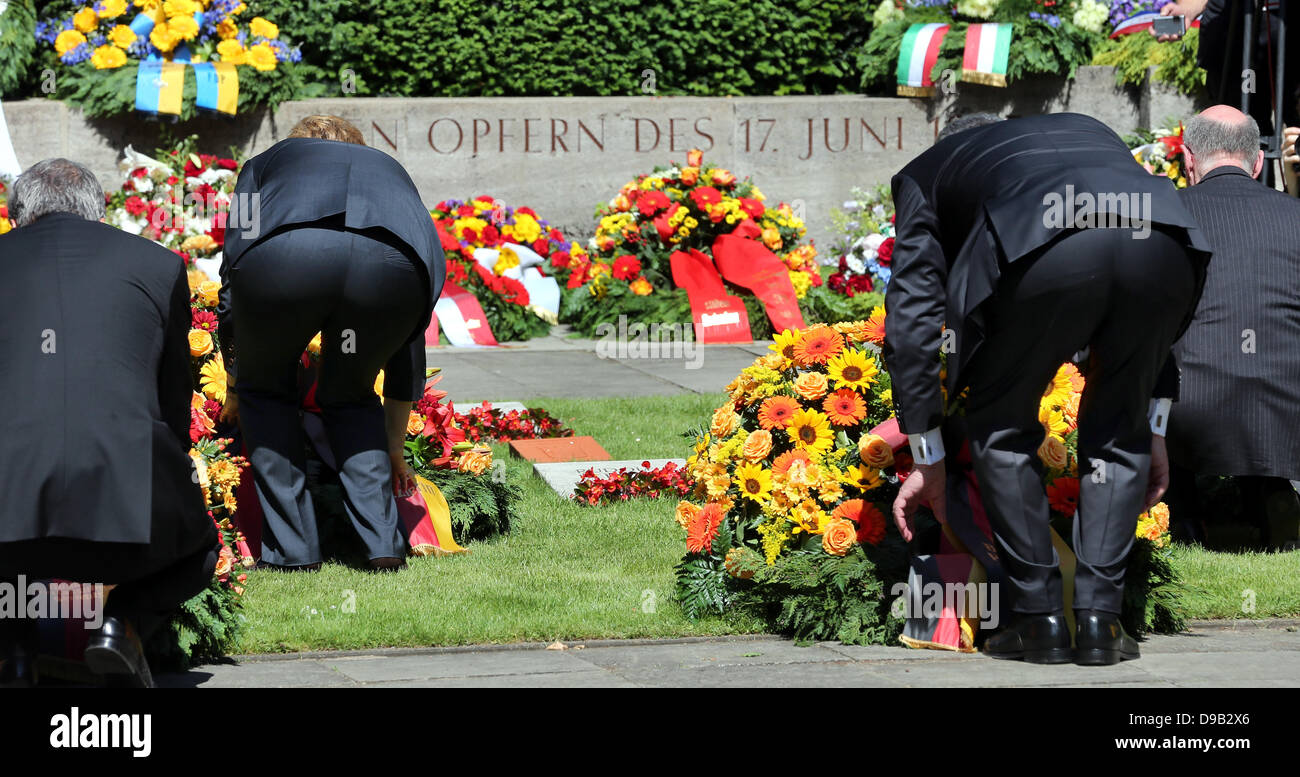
(1239, 414)
(96, 483)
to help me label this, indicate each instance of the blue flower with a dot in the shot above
(77, 55)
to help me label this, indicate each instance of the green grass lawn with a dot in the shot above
(570, 572)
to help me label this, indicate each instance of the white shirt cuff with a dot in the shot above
(1158, 415)
(927, 448)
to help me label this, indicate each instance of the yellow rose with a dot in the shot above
(231, 51)
(1053, 452)
(107, 57)
(414, 423)
(686, 513)
(195, 243)
(772, 238)
(261, 57)
(261, 27)
(67, 41)
(210, 292)
(85, 20)
(183, 27)
(874, 451)
(811, 386)
(724, 422)
(121, 36)
(757, 445)
(200, 343)
(840, 536)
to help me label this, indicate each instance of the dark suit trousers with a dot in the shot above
(366, 298)
(1124, 299)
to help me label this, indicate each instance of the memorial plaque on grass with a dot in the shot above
(559, 449)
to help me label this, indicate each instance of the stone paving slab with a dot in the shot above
(1213, 656)
(563, 476)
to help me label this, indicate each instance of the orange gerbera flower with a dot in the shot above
(783, 462)
(1063, 495)
(870, 521)
(704, 527)
(845, 407)
(776, 412)
(876, 325)
(817, 345)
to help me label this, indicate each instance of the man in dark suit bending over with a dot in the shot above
(1029, 240)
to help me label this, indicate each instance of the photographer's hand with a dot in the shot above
(1188, 9)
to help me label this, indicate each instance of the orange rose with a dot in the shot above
(875, 452)
(694, 157)
(839, 537)
(757, 445)
(811, 386)
(209, 292)
(414, 423)
(1053, 452)
(225, 562)
(690, 175)
(724, 422)
(722, 177)
(772, 238)
(686, 513)
(200, 342)
(475, 461)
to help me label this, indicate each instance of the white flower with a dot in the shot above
(852, 206)
(872, 242)
(855, 264)
(886, 13)
(1091, 15)
(980, 9)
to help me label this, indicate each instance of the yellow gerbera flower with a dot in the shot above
(754, 481)
(85, 20)
(852, 369)
(107, 57)
(121, 36)
(212, 379)
(783, 346)
(67, 41)
(811, 431)
(261, 56)
(1053, 420)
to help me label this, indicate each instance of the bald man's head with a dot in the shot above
(1221, 135)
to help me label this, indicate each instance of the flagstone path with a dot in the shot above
(1234, 654)
(560, 366)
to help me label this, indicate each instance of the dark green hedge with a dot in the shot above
(464, 48)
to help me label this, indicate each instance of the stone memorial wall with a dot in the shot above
(564, 156)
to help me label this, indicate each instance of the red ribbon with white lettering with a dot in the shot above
(718, 317)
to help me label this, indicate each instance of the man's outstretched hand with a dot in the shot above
(926, 484)
(1158, 482)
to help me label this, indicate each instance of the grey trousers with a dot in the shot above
(1124, 299)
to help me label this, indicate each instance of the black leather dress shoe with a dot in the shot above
(116, 654)
(1038, 639)
(1100, 639)
(18, 662)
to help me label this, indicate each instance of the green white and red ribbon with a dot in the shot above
(987, 49)
(917, 57)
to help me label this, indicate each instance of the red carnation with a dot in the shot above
(560, 259)
(541, 245)
(491, 236)
(465, 211)
(136, 206)
(226, 164)
(885, 254)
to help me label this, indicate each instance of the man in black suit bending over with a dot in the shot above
(1030, 240)
(96, 483)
